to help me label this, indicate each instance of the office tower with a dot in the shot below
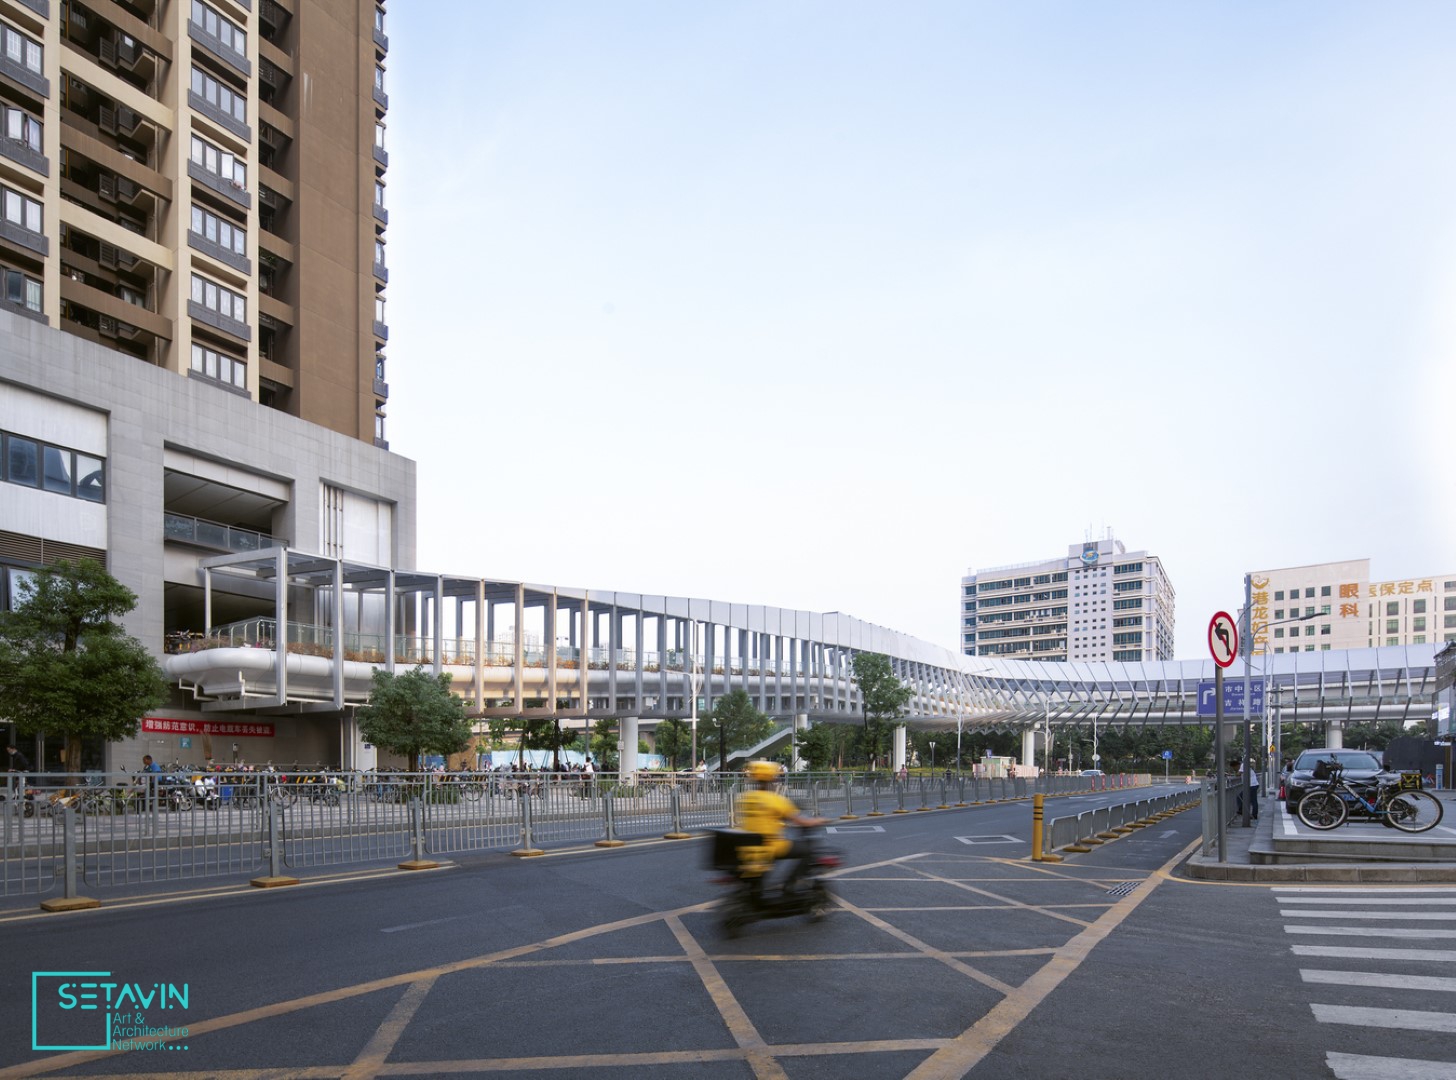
(1099, 602)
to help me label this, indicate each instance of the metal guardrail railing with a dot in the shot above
(106, 831)
(1102, 823)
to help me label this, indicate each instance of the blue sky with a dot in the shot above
(820, 305)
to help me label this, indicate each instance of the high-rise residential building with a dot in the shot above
(192, 328)
(1336, 605)
(200, 184)
(1099, 602)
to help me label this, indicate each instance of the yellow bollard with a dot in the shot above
(1036, 815)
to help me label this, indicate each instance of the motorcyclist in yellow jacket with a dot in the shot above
(763, 810)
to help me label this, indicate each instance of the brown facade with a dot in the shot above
(193, 183)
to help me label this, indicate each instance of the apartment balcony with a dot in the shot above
(225, 120)
(22, 154)
(19, 73)
(381, 98)
(205, 315)
(381, 155)
(20, 236)
(40, 7)
(213, 250)
(216, 48)
(381, 331)
(381, 272)
(381, 214)
(226, 188)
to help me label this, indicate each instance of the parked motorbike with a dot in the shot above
(762, 891)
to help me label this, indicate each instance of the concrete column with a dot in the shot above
(1028, 747)
(1334, 734)
(801, 725)
(897, 754)
(627, 748)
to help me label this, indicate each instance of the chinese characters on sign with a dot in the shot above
(206, 727)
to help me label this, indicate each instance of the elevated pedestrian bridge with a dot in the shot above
(521, 650)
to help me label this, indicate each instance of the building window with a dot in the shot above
(379, 425)
(1418, 607)
(21, 50)
(22, 290)
(379, 194)
(1392, 641)
(379, 78)
(1324, 590)
(379, 136)
(21, 127)
(379, 309)
(220, 231)
(57, 469)
(1279, 595)
(216, 298)
(216, 365)
(379, 19)
(1392, 626)
(1309, 592)
(1392, 607)
(1324, 628)
(229, 33)
(221, 163)
(1279, 631)
(1450, 621)
(1418, 624)
(220, 96)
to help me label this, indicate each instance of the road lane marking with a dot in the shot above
(1405, 1019)
(972, 1045)
(1407, 916)
(1378, 978)
(739, 1025)
(417, 925)
(1439, 956)
(1365, 1067)
(1370, 931)
(1446, 901)
(381, 1044)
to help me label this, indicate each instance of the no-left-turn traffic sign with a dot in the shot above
(1223, 638)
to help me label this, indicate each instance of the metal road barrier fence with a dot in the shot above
(101, 831)
(1091, 827)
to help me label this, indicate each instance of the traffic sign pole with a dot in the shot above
(1248, 765)
(1223, 645)
(1218, 756)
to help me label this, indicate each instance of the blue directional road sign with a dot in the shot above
(1233, 697)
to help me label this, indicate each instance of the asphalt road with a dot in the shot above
(950, 954)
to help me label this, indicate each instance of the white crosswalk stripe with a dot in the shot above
(1375, 916)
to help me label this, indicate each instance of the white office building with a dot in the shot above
(1098, 602)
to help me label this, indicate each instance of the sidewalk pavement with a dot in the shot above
(1251, 853)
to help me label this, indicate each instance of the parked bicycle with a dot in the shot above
(1398, 804)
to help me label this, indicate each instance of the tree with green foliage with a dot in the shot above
(884, 698)
(736, 724)
(414, 714)
(66, 668)
(604, 745)
(674, 740)
(825, 746)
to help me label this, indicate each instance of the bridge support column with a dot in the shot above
(897, 754)
(1335, 734)
(627, 748)
(1028, 747)
(801, 725)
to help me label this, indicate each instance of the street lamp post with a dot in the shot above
(692, 669)
(932, 757)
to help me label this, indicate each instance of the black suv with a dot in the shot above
(1358, 765)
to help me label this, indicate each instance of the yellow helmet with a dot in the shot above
(763, 771)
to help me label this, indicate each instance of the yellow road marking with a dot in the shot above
(923, 947)
(968, 1049)
(388, 1033)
